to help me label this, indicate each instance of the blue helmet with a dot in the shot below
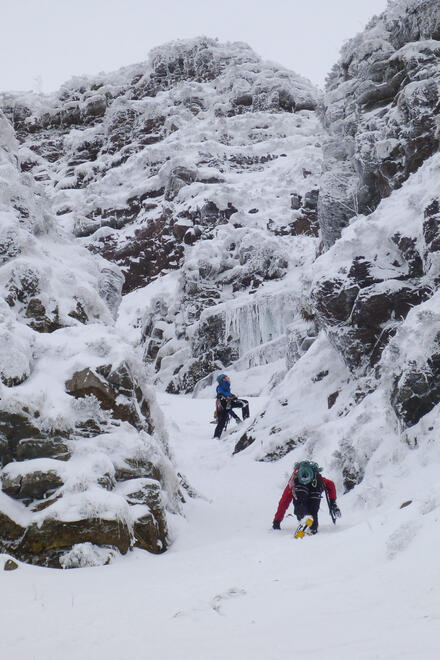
(220, 378)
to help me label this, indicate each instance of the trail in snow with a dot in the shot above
(230, 587)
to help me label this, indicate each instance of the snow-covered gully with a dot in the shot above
(230, 586)
(206, 212)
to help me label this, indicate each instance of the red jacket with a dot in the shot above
(287, 496)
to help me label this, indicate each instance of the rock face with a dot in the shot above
(72, 439)
(383, 98)
(203, 146)
(367, 301)
(369, 371)
(381, 111)
(133, 479)
(45, 544)
(116, 133)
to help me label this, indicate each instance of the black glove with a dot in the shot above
(335, 509)
(276, 524)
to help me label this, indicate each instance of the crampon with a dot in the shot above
(303, 528)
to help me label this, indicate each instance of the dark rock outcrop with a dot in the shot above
(46, 543)
(116, 391)
(361, 319)
(15, 428)
(41, 477)
(35, 485)
(416, 390)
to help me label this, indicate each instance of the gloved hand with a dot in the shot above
(335, 509)
(276, 524)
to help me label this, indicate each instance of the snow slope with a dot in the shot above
(232, 587)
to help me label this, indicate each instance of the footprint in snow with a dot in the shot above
(215, 604)
(217, 601)
(401, 538)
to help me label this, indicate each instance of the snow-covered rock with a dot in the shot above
(373, 291)
(381, 111)
(203, 142)
(77, 419)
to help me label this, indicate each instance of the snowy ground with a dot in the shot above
(230, 586)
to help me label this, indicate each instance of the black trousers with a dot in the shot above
(225, 409)
(307, 507)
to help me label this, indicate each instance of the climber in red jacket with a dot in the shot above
(305, 488)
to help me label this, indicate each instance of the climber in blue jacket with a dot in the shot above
(226, 401)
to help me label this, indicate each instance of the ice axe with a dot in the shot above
(332, 515)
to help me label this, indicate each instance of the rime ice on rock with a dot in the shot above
(67, 442)
(145, 163)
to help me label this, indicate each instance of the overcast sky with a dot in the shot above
(45, 42)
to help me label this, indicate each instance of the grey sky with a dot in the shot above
(45, 42)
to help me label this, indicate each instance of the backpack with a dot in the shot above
(305, 471)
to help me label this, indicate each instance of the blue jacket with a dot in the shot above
(224, 388)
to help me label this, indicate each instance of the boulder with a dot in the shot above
(39, 319)
(116, 391)
(88, 381)
(147, 535)
(34, 485)
(135, 468)
(15, 427)
(44, 544)
(49, 447)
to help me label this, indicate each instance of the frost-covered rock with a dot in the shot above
(381, 112)
(374, 291)
(76, 416)
(203, 143)
(380, 269)
(113, 436)
(102, 146)
(375, 297)
(416, 350)
(236, 296)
